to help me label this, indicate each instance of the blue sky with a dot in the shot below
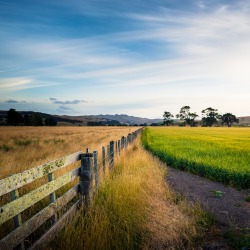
(137, 57)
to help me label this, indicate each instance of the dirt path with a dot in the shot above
(230, 209)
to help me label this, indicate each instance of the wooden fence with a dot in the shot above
(87, 172)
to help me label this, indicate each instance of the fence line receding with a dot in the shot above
(87, 172)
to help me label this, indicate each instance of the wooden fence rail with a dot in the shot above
(87, 171)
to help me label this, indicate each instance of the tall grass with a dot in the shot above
(220, 154)
(135, 209)
(22, 148)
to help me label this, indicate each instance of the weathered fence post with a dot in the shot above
(103, 160)
(119, 147)
(52, 196)
(108, 154)
(122, 142)
(96, 169)
(111, 163)
(116, 147)
(17, 219)
(129, 138)
(86, 178)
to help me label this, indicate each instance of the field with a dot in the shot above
(220, 154)
(134, 208)
(22, 148)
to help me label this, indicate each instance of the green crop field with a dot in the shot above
(220, 154)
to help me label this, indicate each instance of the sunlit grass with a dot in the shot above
(22, 148)
(221, 154)
(135, 209)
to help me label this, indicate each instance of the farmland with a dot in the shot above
(134, 206)
(220, 154)
(22, 148)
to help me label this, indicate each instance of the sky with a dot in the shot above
(135, 57)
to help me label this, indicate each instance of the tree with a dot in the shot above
(13, 117)
(187, 116)
(229, 119)
(50, 122)
(35, 119)
(167, 118)
(210, 117)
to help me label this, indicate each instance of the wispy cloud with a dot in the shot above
(11, 101)
(14, 101)
(55, 101)
(198, 49)
(64, 108)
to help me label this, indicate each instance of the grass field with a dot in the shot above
(22, 148)
(220, 154)
(134, 208)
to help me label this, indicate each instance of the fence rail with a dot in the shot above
(87, 171)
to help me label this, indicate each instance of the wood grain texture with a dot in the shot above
(18, 180)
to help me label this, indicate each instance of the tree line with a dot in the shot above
(14, 118)
(210, 117)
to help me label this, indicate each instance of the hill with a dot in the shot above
(103, 119)
(130, 120)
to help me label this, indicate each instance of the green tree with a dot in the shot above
(229, 119)
(35, 119)
(186, 116)
(209, 117)
(50, 122)
(29, 120)
(38, 119)
(167, 118)
(13, 117)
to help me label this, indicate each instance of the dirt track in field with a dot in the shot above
(230, 209)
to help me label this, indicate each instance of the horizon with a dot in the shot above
(150, 118)
(116, 57)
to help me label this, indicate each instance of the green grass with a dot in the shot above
(220, 154)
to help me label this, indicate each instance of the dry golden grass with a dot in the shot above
(32, 146)
(22, 148)
(135, 209)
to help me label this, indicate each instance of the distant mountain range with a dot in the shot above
(122, 119)
(126, 119)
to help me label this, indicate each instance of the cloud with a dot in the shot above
(14, 101)
(15, 83)
(73, 102)
(21, 83)
(11, 101)
(65, 108)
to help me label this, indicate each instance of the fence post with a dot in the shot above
(116, 147)
(111, 163)
(103, 160)
(96, 169)
(119, 147)
(108, 154)
(86, 178)
(129, 138)
(122, 142)
(52, 196)
(17, 219)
